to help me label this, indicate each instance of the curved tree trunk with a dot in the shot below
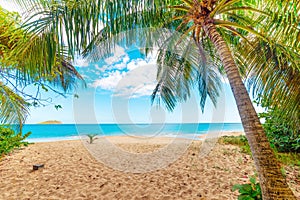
(272, 182)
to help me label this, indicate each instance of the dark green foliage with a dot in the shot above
(10, 140)
(284, 141)
(250, 191)
(282, 131)
(281, 136)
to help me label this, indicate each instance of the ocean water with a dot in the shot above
(55, 132)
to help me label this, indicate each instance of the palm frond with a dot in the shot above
(263, 36)
(274, 71)
(275, 74)
(14, 109)
(36, 57)
(181, 69)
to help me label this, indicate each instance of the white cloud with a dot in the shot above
(100, 69)
(126, 59)
(128, 78)
(140, 62)
(80, 62)
(119, 54)
(140, 80)
(145, 90)
(135, 64)
(120, 66)
(111, 81)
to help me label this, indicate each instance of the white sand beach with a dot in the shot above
(71, 172)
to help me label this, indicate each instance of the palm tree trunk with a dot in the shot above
(273, 184)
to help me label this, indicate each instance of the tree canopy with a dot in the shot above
(262, 34)
(22, 62)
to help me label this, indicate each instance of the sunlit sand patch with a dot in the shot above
(70, 172)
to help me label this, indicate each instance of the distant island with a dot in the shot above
(51, 122)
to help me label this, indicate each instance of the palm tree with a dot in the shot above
(240, 34)
(22, 63)
(221, 22)
(235, 30)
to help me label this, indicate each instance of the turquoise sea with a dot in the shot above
(54, 132)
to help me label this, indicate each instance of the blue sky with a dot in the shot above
(104, 108)
(118, 91)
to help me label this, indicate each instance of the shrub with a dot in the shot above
(282, 131)
(10, 140)
(281, 137)
(92, 138)
(240, 141)
(250, 191)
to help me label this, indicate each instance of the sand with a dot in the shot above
(71, 172)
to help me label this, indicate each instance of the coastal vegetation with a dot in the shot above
(251, 191)
(283, 131)
(23, 64)
(240, 141)
(245, 40)
(92, 138)
(10, 140)
(26, 60)
(287, 159)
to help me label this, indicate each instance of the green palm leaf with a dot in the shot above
(14, 109)
(26, 58)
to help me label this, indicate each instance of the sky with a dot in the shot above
(9, 5)
(118, 91)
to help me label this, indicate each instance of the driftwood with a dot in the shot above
(37, 166)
